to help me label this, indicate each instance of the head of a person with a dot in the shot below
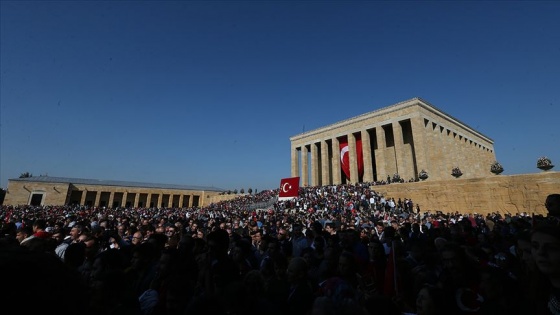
(552, 205)
(297, 230)
(347, 264)
(297, 270)
(218, 243)
(76, 231)
(23, 232)
(431, 300)
(523, 249)
(137, 238)
(453, 258)
(545, 242)
(256, 236)
(39, 225)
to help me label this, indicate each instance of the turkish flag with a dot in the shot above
(345, 156)
(289, 188)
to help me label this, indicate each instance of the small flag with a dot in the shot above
(289, 188)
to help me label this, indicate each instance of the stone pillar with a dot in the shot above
(160, 200)
(170, 201)
(447, 152)
(148, 200)
(368, 163)
(353, 159)
(136, 199)
(124, 197)
(180, 201)
(294, 162)
(336, 161)
(111, 198)
(399, 150)
(325, 174)
(420, 140)
(97, 198)
(314, 164)
(83, 199)
(452, 154)
(380, 154)
(304, 167)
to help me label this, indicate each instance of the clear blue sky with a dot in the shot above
(208, 93)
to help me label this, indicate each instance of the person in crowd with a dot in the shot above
(432, 262)
(72, 237)
(24, 234)
(301, 295)
(545, 240)
(552, 205)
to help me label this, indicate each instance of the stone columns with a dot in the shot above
(83, 199)
(304, 167)
(97, 198)
(136, 199)
(336, 161)
(420, 138)
(380, 154)
(399, 150)
(160, 200)
(180, 201)
(314, 164)
(191, 198)
(111, 198)
(124, 197)
(353, 159)
(294, 162)
(148, 200)
(366, 150)
(170, 201)
(325, 174)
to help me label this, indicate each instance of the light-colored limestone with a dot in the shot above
(410, 136)
(505, 193)
(20, 193)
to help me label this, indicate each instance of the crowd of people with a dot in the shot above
(341, 249)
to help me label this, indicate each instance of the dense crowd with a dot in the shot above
(342, 249)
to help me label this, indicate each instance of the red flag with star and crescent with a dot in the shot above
(289, 188)
(345, 156)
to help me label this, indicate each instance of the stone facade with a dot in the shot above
(402, 139)
(64, 191)
(506, 194)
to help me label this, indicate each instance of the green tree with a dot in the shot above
(250, 191)
(235, 191)
(25, 175)
(242, 191)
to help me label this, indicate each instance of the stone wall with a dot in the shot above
(20, 192)
(504, 193)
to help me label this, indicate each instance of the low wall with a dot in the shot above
(504, 193)
(218, 198)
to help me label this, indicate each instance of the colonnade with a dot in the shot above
(134, 199)
(401, 139)
(386, 150)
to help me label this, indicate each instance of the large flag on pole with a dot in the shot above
(289, 188)
(345, 156)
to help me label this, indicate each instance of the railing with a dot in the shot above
(263, 204)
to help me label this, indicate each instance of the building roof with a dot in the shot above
(416, 101)
(101, 182)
